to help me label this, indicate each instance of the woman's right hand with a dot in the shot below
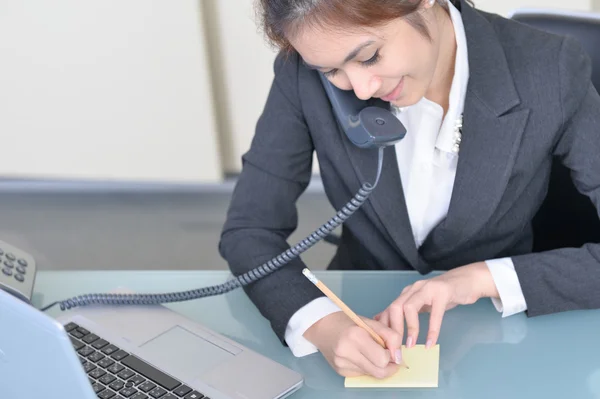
(351, 350)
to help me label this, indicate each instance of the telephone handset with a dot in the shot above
(368, 127)
(365, 126)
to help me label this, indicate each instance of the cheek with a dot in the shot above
(411, 59)
(341, 81)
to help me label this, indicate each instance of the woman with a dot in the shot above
(452, 199)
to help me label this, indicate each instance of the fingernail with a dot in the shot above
(398, 356)
(409, 342)
(428, 344)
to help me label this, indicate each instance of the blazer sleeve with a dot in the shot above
(569, 278)
(262, 213)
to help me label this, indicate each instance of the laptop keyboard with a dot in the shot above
(117, 374)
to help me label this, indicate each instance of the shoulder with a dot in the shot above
(539, 58)
(293, 78)
(530, 47)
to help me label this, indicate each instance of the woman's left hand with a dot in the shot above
(461, 286)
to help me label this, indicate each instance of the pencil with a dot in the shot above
(313, 279)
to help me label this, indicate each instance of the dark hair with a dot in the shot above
(281, 19)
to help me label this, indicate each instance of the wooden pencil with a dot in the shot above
(313, 279)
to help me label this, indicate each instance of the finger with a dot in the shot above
(397, 308)
(393, 340)
(411, 314)
(365, 353)
(364, 363)
(347, 368)
(384, 318)
(435, 322)
(406, 289)
(396, 316)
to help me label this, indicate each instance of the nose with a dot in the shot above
(364, 84)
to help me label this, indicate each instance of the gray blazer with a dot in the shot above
(529, 97)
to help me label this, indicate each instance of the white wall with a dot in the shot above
(242, 66)
(106, 90)
(144, 90)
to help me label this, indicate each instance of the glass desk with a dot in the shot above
(482, 355)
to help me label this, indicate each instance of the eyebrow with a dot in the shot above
(349, 57)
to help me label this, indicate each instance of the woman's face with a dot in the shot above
(394, 62)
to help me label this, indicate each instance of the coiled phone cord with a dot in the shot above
(247, 278)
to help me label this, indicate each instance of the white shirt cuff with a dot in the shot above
(505, 277)
(305, 317)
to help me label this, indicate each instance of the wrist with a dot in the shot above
(483, 281)
(313, 332)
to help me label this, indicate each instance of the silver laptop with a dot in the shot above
(128, 352)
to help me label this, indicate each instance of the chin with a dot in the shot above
(406, 101)
(411, 94)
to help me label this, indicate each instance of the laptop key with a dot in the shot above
(126, 374)
(110, 349)
(158, 392)
(88, 339)
(150, 372)
(70, 326)
(98, 387)
(89, 367)
(96, 357)
(86, 351)
(136, 379)
(107, 379)
(194, 395)
(83, 330)
(115, 368)
(169, 396)
(97, 373)
(119, 355)
(107, 394)
(147, 386)
(127, 392)
(139, 395)
(106, 362)
(99, 344)
(117, 385)
(77, 344)
(76, 334)
(182, 391)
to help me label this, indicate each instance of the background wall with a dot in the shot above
(144, 90)
(106, 90)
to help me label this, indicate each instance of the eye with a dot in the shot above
(373, 60)
(330, 74)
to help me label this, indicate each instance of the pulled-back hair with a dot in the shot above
(282, 19)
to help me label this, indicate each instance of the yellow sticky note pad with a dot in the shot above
(424, 365)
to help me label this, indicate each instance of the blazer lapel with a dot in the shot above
(387, 199)
(492, 130)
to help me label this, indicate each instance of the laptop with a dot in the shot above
(128, 352)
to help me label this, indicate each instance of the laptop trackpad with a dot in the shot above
(184, 354)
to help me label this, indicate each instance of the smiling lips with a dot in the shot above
(395, 93)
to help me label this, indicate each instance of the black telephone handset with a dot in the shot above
(365, 126)
(368, 127)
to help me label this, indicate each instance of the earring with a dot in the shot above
(431, 2)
